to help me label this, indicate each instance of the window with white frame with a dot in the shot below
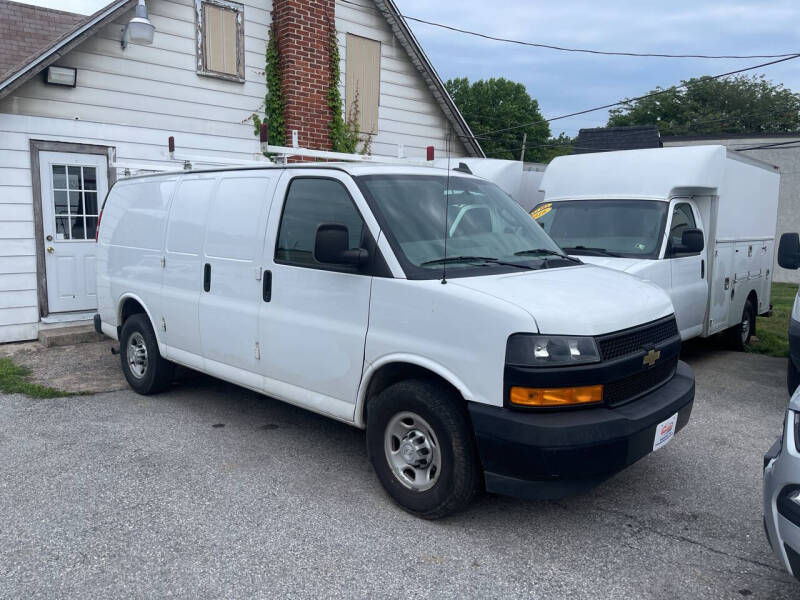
(220, 39)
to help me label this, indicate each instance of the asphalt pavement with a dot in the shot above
(212, 491)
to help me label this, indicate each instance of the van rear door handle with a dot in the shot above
(207, 277)
(702, 269)
(266, 288)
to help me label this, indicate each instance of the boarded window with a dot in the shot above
(363, 76)
(220, 39)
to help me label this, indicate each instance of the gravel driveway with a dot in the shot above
(212, 491)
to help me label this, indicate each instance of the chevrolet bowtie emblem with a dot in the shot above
(651, 357)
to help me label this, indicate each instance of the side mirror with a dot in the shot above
(332, 246)
(789, 251)
(692, 241)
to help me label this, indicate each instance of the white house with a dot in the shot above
(79, 94)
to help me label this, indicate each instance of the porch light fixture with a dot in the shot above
(66, 76)
(139, 29)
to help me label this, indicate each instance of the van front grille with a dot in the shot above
(629, 388)
(636, 339)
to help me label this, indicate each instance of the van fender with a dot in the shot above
(412, 359)
(162, 347)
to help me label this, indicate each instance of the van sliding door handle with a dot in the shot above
(207, 277)
(702, 269)
(266, 290)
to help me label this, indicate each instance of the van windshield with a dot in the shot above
(487, 231)
(629, 228)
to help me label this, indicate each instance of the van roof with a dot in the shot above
(347, 167)
(647, 173)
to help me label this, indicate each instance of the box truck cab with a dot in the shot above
(427, 308)
(699, 221)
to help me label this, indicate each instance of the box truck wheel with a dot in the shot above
(420, 443)
(739, 336)
(792, 377)
(142, 365)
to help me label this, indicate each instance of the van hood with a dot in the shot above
(618, 264)
(581, 300)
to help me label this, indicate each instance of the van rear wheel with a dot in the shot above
(144, 368)
(420, 443)
(740, 335)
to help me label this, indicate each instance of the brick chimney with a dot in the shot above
(303, 29)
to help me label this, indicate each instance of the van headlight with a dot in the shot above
(531, 350)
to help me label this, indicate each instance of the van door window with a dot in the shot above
(682, 219)
(310, 202)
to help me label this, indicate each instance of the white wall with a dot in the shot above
(408, 113)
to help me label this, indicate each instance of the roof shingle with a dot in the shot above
(26, 31)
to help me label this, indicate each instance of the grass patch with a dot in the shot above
(773, 332)
(14, 380)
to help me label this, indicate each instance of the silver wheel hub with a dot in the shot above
(745, 328)
(137, 355)
(412, 451)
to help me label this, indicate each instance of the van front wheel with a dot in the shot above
(420, 443)
(144, 369)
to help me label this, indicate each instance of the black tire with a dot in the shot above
(459, 477)
(156, 375)
(792, 377)
(737, 338)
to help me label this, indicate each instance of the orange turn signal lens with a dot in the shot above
(570, 396)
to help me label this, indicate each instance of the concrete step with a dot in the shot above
(67, 336)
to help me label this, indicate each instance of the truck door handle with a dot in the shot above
(207, 277)
(702, 269)
(266, 289)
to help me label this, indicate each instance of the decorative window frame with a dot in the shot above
(200, 39)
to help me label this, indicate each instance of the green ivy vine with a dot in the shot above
(344, 134)
(273, 101)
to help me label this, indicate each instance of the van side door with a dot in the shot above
(314, 317)
(230, 276)
(689, 290)
(181, 280)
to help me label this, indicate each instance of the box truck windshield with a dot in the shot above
(629, 228)
(486, 230)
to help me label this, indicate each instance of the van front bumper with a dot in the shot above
(541, 455)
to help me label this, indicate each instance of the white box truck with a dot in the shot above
(699, 221)
(520, 370)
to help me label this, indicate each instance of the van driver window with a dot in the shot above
(310, 202)
(682, 219)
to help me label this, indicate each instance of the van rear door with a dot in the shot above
(230, 280)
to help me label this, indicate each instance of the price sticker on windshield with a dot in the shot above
(540, 211)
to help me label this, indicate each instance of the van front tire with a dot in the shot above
(144, 368)
(420, 443)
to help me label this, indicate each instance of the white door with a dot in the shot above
(73, 188)
(313, 319)
(689, 290)
(230, 275)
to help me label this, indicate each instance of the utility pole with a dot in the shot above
(524, 141)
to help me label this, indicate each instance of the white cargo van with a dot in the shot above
(495, 361)
(699, 221)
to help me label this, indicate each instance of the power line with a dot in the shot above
(576, 50)
(637, 98)
(586, 50)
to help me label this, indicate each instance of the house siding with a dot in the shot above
(133, 100)
(407, 112)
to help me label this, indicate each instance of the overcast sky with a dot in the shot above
(566, 82)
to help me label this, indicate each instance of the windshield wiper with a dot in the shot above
(482, 259)
(592, 251)
(545, 252)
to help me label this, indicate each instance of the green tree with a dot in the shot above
(492, 104)
(556, 146)
(710, 106)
